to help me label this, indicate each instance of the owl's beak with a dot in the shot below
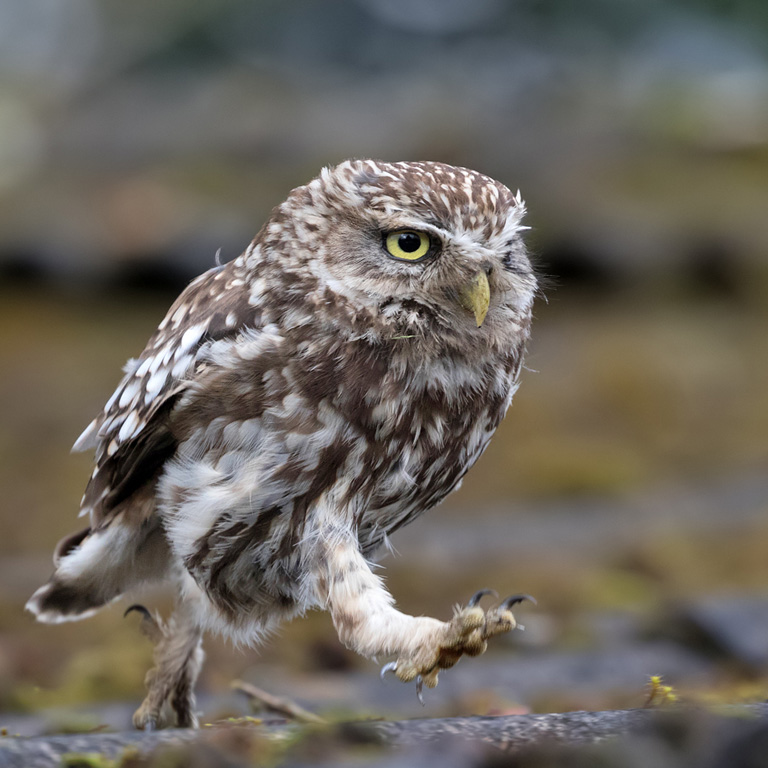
(475, 296)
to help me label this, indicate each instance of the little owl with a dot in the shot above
(295, 407)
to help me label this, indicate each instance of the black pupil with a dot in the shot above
(409, 242)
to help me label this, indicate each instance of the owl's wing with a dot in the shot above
(131, 435)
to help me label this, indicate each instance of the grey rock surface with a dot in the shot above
(736, 728)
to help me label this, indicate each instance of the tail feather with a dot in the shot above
(95, 567)
(58, 601)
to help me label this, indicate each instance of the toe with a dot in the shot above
(463, 624)
(406, 670)
(448, 658)
(430, 678)
(497, 622)
(144, 721)
(500, 618)
(475, 644)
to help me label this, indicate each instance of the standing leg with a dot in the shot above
(178, 657)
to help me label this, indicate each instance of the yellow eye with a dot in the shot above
(407, 245)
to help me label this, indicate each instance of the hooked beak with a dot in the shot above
(475, 296)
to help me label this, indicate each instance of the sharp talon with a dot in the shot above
(139, 609)
(419, 689)
(514, 600)
(149, 626)
(150, 725)
(478, 596)
(390, 667)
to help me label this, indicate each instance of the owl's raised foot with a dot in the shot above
(178, 656)
(466, 634)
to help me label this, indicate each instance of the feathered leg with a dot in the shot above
(364, 615)
(178, 657)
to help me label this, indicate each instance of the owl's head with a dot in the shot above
(412, 249)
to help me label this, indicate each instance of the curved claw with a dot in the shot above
(515, 599)
(419, 689)
(479, 595)
(149, 626)
(150, 725)
(390, 667)
(139, 609)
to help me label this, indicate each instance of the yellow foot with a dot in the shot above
(466, 634)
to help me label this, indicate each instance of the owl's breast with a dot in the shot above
(425, 428)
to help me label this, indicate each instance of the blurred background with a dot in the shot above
(626, 488)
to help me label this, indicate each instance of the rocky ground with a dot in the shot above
(675, 738)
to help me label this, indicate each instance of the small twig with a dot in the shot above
(275, 704)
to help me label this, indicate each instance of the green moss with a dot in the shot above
(87, 760)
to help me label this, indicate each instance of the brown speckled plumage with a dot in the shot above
(302, 402)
